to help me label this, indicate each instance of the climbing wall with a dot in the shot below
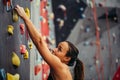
(93, 26)
(13, 39)
(42, 17)
(97, 37)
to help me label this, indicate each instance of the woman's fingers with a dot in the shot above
(20, 11)
(17, 6)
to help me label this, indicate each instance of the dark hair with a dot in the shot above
(79, 68)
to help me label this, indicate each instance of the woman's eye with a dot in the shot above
(59, 49)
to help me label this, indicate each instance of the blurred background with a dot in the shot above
(93, 26)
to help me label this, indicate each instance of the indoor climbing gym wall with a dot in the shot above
(94, 27)
(14, 42)
(42, 17)
(19, 58)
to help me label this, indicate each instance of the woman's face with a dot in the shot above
(61, 50)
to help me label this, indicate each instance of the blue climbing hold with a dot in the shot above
(2, 74)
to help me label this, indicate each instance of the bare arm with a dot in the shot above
(38, 40)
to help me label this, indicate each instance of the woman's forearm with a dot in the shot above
(36, 37)
(33, 32)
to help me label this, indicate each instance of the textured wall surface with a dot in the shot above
(87, 54)
(82, 39)
(79, 28)
(9, 44)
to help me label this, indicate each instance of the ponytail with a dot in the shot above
(79, 70)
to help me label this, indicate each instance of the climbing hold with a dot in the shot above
(81, 9)
(62, 7)
(51, 16)
(15, 59)
(15, 16)
(22, 28)
(86, 43)
(37, 69)
(30, 45)
(60, 22)
(10, 29)
(91, 4)
(23, 49)
(26, 55)
(13, 77)
(97, 61)
(44, 20)
(2, 74)
(27, 11)
(8, 4)
(116, 75)
(44, 10)
(83, 16)
(114, 38)
(87, 29)
(103, 47)
(41, 18)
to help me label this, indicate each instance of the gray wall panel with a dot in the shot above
(9, 44)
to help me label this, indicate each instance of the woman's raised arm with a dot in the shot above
(38, 40)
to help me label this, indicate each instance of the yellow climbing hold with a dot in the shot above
(15, 59)
(15, 16)
(26, 55)
(13, 77)
(30, 45)
(27, 11)
(10, 29)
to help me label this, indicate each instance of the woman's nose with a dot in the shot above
(55, 49)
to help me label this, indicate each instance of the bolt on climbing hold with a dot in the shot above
(2, 74)
(15, 59)
(15, 16)
(10, 29)
(13, 77)
(27, 11)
